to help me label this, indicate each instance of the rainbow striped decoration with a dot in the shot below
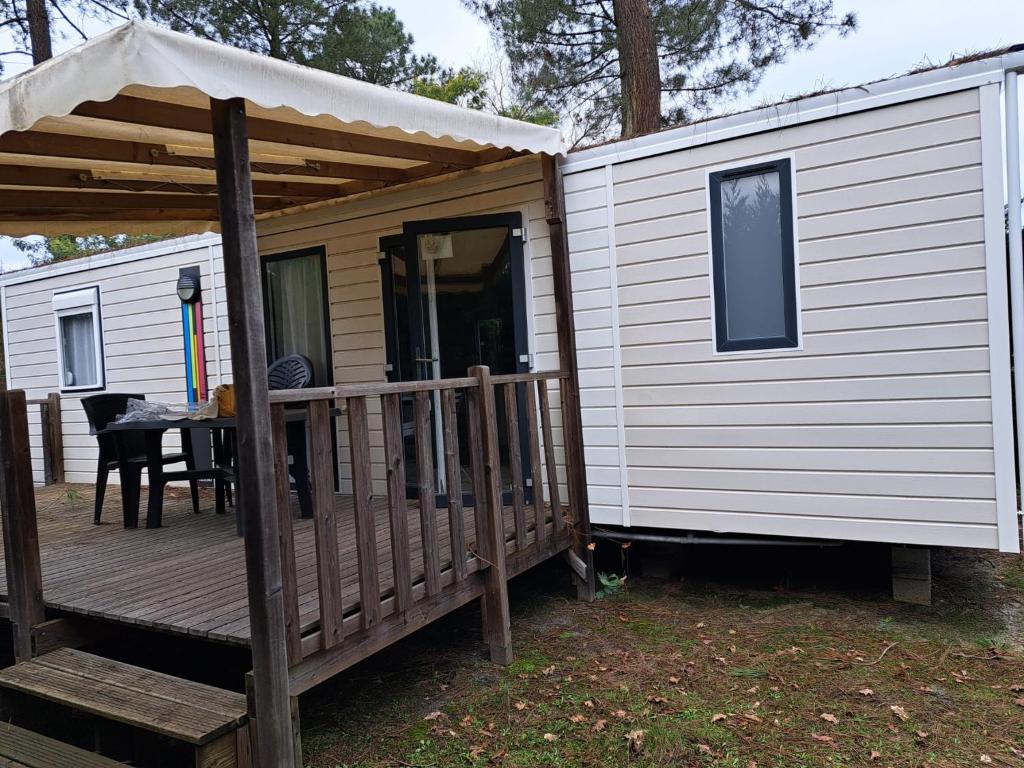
(195, 355)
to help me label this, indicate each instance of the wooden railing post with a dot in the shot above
(21, 534)
(56, 437)
(494, 603)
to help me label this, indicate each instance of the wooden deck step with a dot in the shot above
(26, 749)
(179, 709)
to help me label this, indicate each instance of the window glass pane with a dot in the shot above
(78, 343)
(754, 257)
(296, 313)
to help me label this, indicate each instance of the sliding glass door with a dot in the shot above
(454, 297)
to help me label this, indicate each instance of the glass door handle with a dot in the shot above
(426, 359)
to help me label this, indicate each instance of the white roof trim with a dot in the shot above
(139, 54)
(110, 259)
(847, 101)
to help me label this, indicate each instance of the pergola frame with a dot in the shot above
(122, 164)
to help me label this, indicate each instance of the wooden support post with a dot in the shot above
(572, 419)
(257, 493)
(494, 603)
(21, 534)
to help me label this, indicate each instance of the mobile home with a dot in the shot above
(795, 321)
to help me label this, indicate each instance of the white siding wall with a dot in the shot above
(142, 342)
(880, 427)
(351, 234)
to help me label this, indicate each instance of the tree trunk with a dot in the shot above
(39, 30)
(639, 68)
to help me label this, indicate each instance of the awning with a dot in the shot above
(114, 136)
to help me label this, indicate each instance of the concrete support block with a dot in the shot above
(912, 575)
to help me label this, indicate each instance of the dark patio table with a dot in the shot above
(222, 471)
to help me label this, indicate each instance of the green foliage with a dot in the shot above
(466, 87)
(68, 247)
(610, 584)
(369, 43)
(567, 51)
(290, 29)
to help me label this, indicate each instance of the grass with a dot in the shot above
(701, 672)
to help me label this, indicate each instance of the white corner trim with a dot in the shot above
(998, 318)
(613, 281)
(7, 343)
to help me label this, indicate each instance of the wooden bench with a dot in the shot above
(25, 749)
(212, 721)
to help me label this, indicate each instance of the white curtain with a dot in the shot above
(296, 311)
(78, 340)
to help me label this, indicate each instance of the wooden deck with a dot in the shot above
(188, 577)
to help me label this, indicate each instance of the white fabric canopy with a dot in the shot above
(150, 57)
(115, 136)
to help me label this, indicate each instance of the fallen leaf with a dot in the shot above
(829, 718)
(674, 680)
(922, 734)
(657, 699)
(550, 737)
(576, 718)
(752, 717)
(476, 752)
(620, 713)
(588, 704)
(1019, 702)
(716, 717)
(899, 711)
(635, 739)
(822, 738)
(466, 721)
(984, 759)
(700, 625)
(548, 670)
(599, 725)
(435, 716)
(704, 748)
(1016, 687)
(875, 754)
(866, 692)
(520, 705)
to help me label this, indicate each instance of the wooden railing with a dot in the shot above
(53, 437)
(447, 568)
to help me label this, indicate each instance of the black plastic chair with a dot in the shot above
(290, 372)
(103, 409)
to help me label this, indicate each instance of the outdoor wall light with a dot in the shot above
(188, 288)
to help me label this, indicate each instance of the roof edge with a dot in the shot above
(936, 81)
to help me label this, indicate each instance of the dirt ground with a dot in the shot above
(736, 656)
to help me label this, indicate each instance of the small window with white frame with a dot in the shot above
(753, 258)
(79, 339)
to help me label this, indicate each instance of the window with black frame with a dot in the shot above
(753, 261)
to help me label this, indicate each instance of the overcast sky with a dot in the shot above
(893, 36)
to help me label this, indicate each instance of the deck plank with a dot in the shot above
(188, 578)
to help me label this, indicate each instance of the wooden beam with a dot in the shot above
(257, 493)
(45, 199)
(21, 532)
(40, 144)
(29, 216)
(76, 178)
(162, 114)
(554, 208)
